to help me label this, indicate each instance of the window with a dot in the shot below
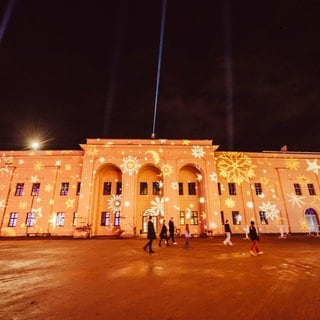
(64, 189)
(180, 185)
(156, 188)
(193, 217)
(119, 188)
(182, 218)
(60, 219)
(297, 189)
(236, 218)
(219, 188)
(232, 189)
(192, 188)
(107, 188)
(143, 188)
(222, 217)
(75, 219)
(117, 218)
(35, 189)
(105, 218)
(30, 219)
(13, 219)
(311, 189)
(263, 217)
(258, 188)
(78, 188)
(19, 189)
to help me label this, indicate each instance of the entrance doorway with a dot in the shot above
(312, 220)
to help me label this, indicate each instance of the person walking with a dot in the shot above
(163, 234)
(227, 233)
(151, 235)
(171, 231)
(254, 237)
(187, 236)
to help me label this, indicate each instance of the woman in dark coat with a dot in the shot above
(163, 234)
(151, 236)
(254, 237)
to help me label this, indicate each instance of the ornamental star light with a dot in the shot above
(198, 152)
(167, 169)
(270, 210)
(38, 166)
(292, 164)
(313, 166)
(295, 200)
(130, 165)
(157, 206)
(115, 203)
(229, 203)
(70, 203)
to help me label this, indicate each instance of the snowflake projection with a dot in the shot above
(34, 179)
(229, 203)
(213, 177)
(2, 203)
(115, 203)
(199, 177)
(70, 203)
(313, 166)
(48, 187)
(3, 170)
(130, 165)
(270, 210)
(198, 152)
(236, 167)
(295, 200)
(160, 184)
(38, 166)
(302, 179)
(264, 181)
(174, 185)
(92, 151)
(292, 164)
(157, 206)
(167, 170)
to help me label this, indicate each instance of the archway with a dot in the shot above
(312, 220)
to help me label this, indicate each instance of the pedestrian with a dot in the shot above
(151, 235)
(254, 237)
(164, 234)
(171, 231)
(227, 233)
(187, 236)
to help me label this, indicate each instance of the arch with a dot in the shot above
(312, 220)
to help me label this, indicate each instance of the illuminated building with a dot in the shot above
(112, 186)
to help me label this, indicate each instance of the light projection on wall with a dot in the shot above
(198, 152)
(130, 165)
(291, 164)
(167, 170)
(115, 203)
(295, 200)
(229, 203)
(235, 167)
(313, 166)
(157, 206)
(155, 156)
(270, 210)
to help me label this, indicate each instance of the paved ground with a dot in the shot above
(115, 279)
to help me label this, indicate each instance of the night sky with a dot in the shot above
(244, 74)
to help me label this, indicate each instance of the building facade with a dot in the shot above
(111, 186)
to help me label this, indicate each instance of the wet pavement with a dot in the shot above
(115, 279)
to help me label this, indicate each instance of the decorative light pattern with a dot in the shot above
(270, 210)
(174, 185)
(157, 206)
(198, 152)
(130, 165)
(38, 166)
(229, 203)
(292, 164)
(313, 166)
(295, 200)
(167, 170)
(236, 167)
(115, 203)
(213, 177)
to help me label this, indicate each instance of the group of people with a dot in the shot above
(253, 235)
(151, 235)
(166, 234)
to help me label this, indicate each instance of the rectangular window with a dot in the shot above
(64, 189)
(75, 219)
(78, 188)
(232, 189)
(180, 185)
(236, 218)
(143, 188)
(311, 189)
(30, 219)
(182, 218)
(117, 218)
(60, 219)
(105, 219)
(107, 188)
(258, 188)
(194, 217)
(19, 189)
(119, 188)
(297, 189)
(13, 219)
(222, 217)
(219, 188)
(35, 189)
(263, 217)
(155, 188)
(192, 188)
